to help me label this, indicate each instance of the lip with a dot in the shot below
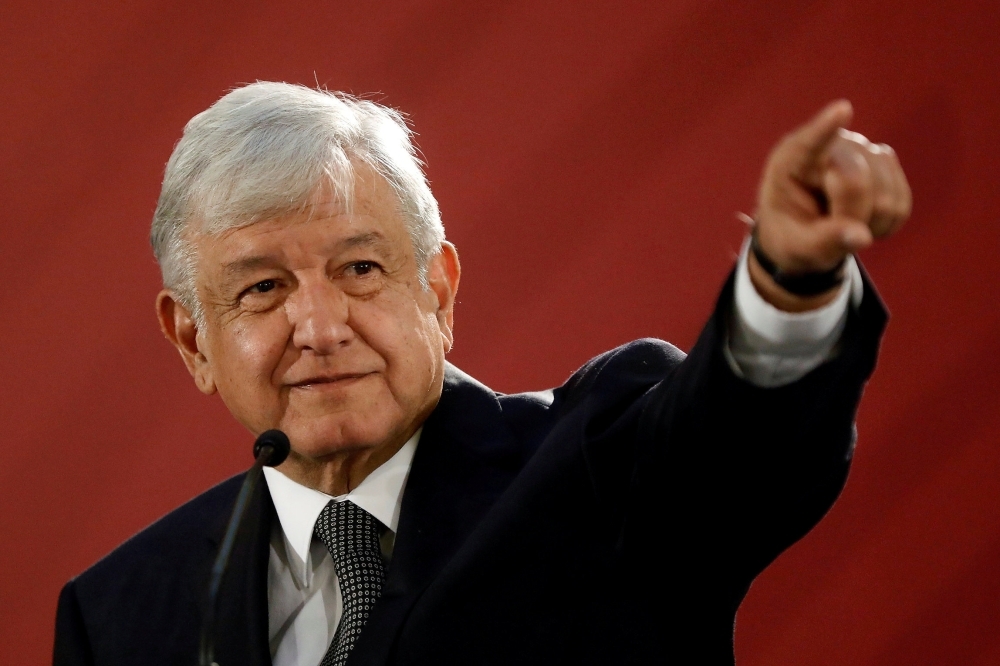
(331, 381)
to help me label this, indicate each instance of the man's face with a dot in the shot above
(316, 323)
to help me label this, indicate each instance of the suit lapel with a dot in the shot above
(242, 623)
(465, 460)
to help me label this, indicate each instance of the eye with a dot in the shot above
(260, 295)
(363, 278)
(263, 287)
(362, 267)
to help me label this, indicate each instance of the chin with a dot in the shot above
(319, 440)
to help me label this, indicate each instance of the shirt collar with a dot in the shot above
(380, 494)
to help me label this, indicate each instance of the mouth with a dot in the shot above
(329, 381)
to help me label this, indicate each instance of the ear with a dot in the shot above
(443, 275)
(181, 330)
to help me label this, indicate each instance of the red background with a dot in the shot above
(588, 158)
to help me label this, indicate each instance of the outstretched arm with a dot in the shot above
(743, 468)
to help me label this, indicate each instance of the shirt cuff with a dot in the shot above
(770, 347)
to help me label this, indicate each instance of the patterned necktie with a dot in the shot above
(351, 535)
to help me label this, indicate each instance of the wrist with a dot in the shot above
(802, 280)
(778, 296)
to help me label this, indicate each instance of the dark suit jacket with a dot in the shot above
(618, 519)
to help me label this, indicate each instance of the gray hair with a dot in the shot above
(262, 150)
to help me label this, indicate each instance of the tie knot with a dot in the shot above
(344, 527)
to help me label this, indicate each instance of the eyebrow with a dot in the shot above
(247, 263)
(363, 240)
(243, 264)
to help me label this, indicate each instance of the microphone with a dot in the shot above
(279, 444)
(271, 448)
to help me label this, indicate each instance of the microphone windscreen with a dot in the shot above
(278, 441)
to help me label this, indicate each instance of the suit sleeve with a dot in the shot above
(72, 646)
(770, 347)
(738, 471)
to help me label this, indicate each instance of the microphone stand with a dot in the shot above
(269, 449)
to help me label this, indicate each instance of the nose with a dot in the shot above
(318, 313)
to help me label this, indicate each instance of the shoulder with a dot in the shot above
(163, 547)
(614, 377)
(641, 362)
(116, 610)
(620, 374)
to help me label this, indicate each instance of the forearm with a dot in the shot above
(733, 465)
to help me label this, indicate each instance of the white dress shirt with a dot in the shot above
(766, 346)
(769, 347)
(303, 595)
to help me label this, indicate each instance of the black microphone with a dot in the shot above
(271, 448)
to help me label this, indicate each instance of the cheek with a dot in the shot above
(419, 361)
(408, 340)
(252, 350)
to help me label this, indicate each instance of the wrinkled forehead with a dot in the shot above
(369, 211)
(358, 190)
(371, 216)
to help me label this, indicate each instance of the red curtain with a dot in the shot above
(588, 158)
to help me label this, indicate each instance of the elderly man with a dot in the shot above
(422, 518)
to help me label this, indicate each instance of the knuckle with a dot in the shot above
(854, 138)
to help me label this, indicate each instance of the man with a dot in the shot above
(422, 518)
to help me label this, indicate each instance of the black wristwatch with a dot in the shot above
(801, 284)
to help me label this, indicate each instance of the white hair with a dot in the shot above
(262, 151)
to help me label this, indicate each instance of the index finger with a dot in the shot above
(805, 144)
